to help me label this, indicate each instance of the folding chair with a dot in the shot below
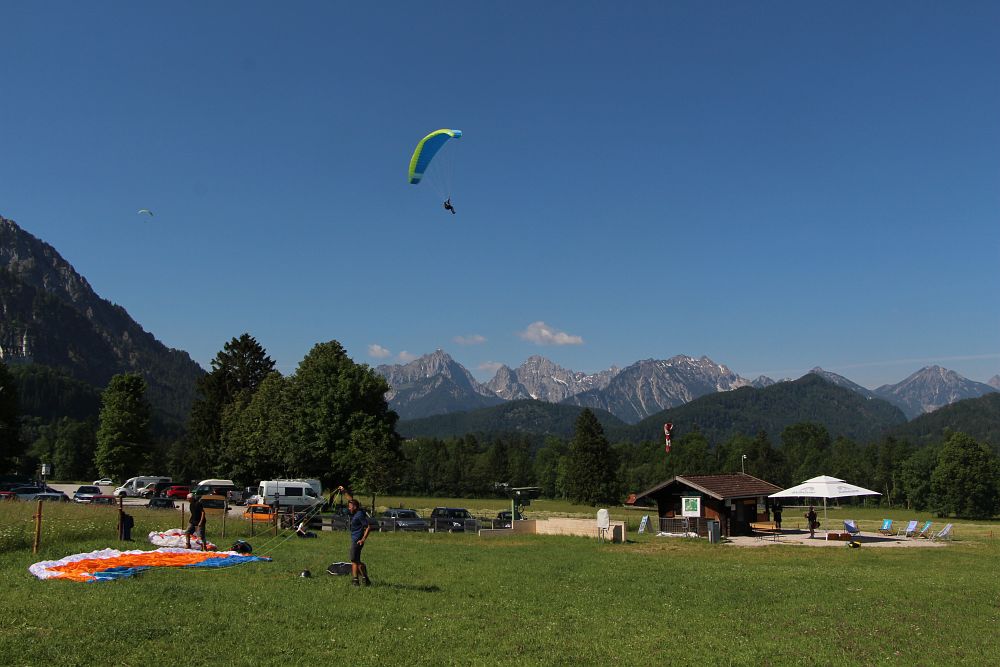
(943, 534)
(925, 532)
(851, 526)
(886, 528)
(909, 530)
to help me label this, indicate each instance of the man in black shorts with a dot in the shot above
(359, 533)
(197, 522)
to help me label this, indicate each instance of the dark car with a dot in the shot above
(84, 494)
(52, 496)
(30, 492)
(452, 519)
(160, 503)
(503, 519)
(402, 520)
(104, 500)
(341, 518)
(155, 489)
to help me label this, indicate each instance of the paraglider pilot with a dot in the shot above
(448, 206)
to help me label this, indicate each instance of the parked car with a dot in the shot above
(213, 504)
(402, 520)
(177, 491)
(29, 492)
(84, 494)
(451, 519)
(161, 503)
(52, 496)
(104, 481)
(155, 489)
(104, 500)
(341, 518)
(503, 519)
(258, 513)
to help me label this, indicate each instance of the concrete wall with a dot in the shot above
(559, 526)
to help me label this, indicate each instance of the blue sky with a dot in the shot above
(775, 185)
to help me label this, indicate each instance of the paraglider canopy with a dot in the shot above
(426, 150)
(145, 211)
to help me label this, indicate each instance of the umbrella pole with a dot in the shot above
(824, 515)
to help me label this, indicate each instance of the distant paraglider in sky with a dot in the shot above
(145, 211)
(424, 154)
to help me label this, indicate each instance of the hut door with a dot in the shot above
(746, 512)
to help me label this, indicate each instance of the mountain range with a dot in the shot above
(437, 384)
(50, 315)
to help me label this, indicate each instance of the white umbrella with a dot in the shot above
(824, 487)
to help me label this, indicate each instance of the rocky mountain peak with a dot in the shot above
(930, 388)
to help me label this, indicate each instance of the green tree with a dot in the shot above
(547, 463)
(73, 449)
(915, 477)
(591, 470)
(806, 447)
(255, 429)
(343, 429)
(237, 371)
(964, 483)
(123, 433)
(11, 447)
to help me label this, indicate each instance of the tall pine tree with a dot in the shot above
(123, 433)
(591, 475)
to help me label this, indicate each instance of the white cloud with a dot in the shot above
(489, 366)
(473, 339)
(378, 352)
(407, 357)
(542, 334)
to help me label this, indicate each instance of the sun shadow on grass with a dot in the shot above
(408, 587)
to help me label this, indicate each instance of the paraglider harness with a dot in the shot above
(448, 206)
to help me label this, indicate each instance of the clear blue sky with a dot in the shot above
(774, 185)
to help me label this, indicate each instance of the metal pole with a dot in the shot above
(225, 512)
(38, 528)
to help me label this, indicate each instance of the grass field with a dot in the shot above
(457, 599)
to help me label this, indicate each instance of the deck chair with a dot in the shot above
(943, 534)
(886, 528)
(925, 532)
(851, 526)
(909, 530)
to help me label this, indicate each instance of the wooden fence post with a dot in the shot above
(225, 512)
(38, 529)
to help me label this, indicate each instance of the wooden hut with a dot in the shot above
(736, 500)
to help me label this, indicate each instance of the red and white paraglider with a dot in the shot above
(668, 431)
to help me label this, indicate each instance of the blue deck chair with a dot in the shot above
(925, 532)
(886, 528)
(943, 534)
(909, 530)
(851, 526)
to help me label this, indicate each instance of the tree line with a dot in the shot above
(329, 419)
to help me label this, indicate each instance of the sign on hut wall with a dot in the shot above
(691, 505)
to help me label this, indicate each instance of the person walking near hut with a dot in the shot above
(811, 519)
(776, 513)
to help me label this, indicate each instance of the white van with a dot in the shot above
(293, 494)
(219, 487)
(133, 485)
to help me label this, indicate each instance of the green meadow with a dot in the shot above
(459, 599)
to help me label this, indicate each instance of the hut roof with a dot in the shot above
(722, 487)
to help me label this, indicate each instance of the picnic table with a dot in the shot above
(765, 529)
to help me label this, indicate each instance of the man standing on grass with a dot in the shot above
(359, 530)
(197, 522)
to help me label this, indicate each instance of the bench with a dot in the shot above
(765, 529)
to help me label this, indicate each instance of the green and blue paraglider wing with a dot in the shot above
(427, 149)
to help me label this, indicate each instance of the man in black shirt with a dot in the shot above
(197, 522)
